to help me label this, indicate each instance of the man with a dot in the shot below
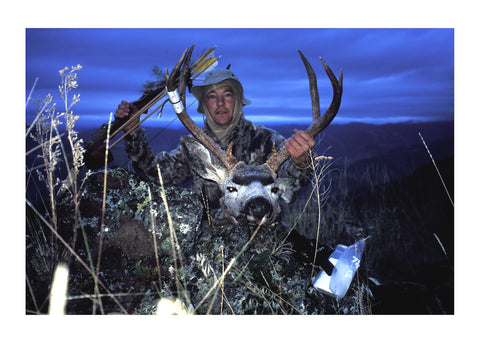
(220, 98)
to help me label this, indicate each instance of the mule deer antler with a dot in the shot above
(226, 158)
(319, 123)
(248, 191)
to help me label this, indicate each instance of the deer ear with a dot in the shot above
(203, 164)
(287, 186)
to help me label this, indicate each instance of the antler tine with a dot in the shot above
(227, 159)
(319, 123)
(312, 79)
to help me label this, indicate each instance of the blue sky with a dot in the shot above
(390, 75)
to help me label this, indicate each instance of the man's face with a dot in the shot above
(220, 104)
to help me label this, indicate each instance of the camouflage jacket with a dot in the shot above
(252, 144)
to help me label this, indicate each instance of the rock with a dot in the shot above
(143, 261)
(134, 215)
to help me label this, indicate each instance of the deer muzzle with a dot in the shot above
(257, 208)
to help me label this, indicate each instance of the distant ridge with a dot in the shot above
(397, 146)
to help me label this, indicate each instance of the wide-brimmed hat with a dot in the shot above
(214, 77)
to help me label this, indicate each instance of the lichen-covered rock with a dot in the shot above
(136, 236)
(150, 251)
(133, 209)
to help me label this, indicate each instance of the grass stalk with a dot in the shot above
(58, 294)
(45, 103)
(102, 223)
(74, 254)
(29, 97)
(316, 187)
(50, 158)
(173, 241)
(32, 294)
(436, 168)
(230, 265)
(223, 284)
(152, 220)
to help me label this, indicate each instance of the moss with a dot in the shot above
(144, 272)
(141, 205)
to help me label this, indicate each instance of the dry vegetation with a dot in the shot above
(322, 214)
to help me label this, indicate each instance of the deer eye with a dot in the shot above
(231, 189)
(275, 190)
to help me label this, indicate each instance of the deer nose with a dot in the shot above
(258, 208)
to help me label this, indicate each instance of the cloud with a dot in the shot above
(388, 73)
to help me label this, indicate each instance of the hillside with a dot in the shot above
(382, 184)
(355, 148)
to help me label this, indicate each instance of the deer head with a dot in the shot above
(249, 191)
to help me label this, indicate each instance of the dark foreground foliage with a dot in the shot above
(407, 266)
(142, 260)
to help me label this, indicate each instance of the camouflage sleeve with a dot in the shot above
(289, 169)
(173, 166)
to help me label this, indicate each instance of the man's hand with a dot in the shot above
(125, 110)
(299, 146)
